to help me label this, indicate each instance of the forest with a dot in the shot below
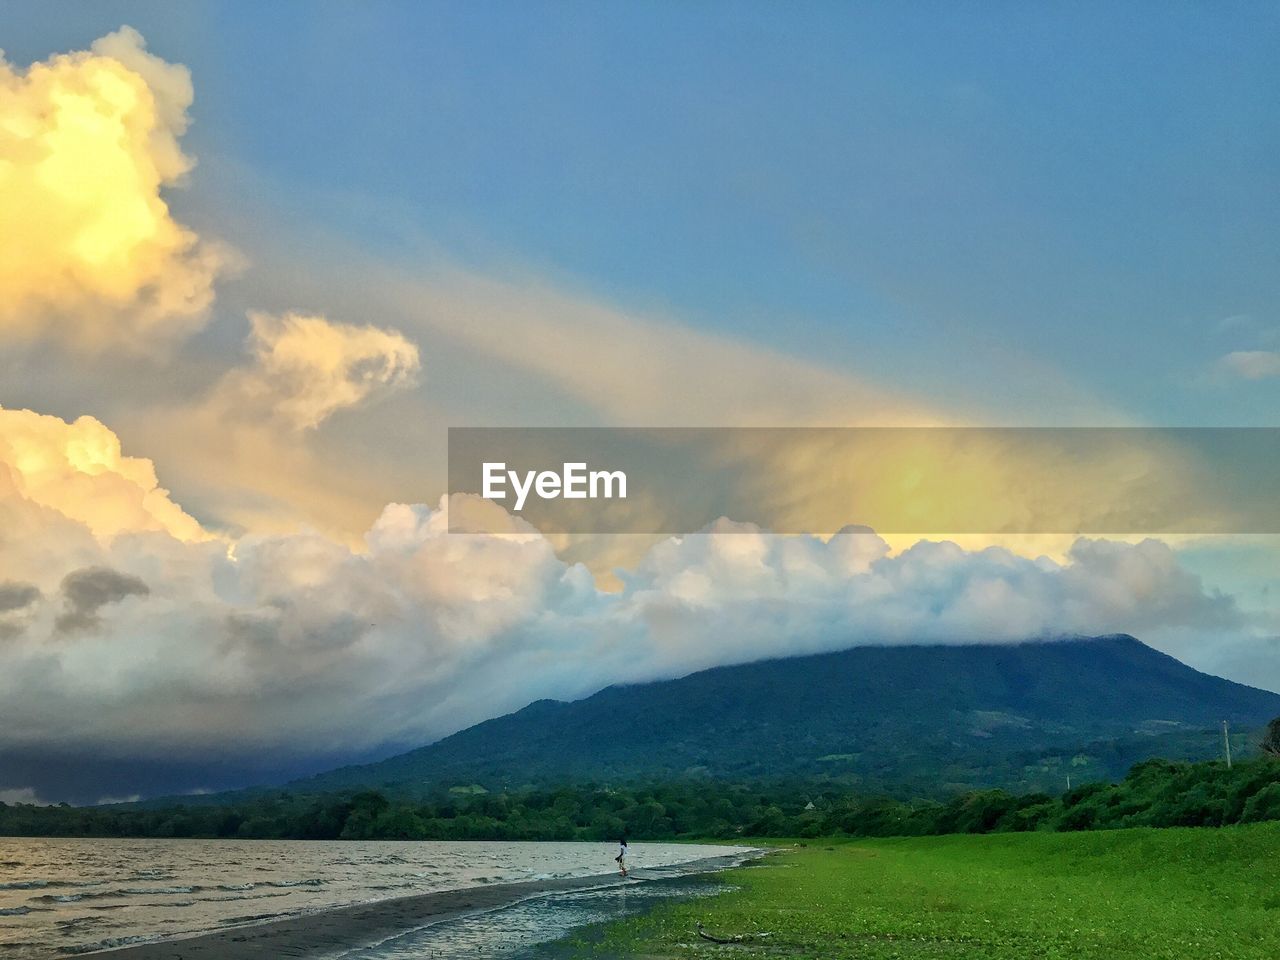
(1155, 793)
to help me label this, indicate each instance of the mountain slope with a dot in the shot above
(908, 717)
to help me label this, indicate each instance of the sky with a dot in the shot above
(256, 259)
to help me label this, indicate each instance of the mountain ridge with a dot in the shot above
(906, 716)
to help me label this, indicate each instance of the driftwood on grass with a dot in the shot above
(736, 938)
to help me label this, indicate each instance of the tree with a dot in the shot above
(1270, 743)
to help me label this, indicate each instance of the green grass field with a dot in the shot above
(1180, 894)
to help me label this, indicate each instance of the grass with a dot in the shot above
(1170, 894)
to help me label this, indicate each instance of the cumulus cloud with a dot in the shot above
(90, 253)
(305, 368)
(1251, 364)
(249, 448)
(87, 591)
(78, 470)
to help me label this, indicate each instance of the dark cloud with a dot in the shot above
(86, 591)
(15, 595)
(16, 600)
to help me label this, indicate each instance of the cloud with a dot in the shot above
(250, 447)
(17, 596)
(22, 795)
(17, 600)
(644, 370)
(1251, 364)
(78, 470)
(90, 254)
(546, 356)
(306, 368)
(85, 592)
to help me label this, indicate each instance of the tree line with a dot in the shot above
(1155, 793)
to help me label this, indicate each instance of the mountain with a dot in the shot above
(914, 719)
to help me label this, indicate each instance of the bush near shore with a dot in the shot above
(1156, 793)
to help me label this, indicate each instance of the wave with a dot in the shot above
(74, 923)
(40, 884)
(112, 894)
(122, 892)
(251, 918)
(150, 891)
(109, 944)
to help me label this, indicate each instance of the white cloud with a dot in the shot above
(1251, 364)
(25, 795)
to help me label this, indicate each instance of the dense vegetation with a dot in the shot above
(1113, 895)
(1157, 793)
(917, 721)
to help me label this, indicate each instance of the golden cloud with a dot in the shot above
(246, 451)
(305, 368)
(78, 470)
(89, 252)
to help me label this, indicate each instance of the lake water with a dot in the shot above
(65, 897)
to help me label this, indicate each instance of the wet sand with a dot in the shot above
(330, 932)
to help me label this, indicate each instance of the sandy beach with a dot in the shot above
(328, 932)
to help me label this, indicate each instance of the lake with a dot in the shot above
(65, 897)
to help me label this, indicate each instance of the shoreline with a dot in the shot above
(329, 931)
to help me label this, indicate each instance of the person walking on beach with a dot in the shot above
(622, 856)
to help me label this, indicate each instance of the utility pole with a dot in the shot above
(1226, 742)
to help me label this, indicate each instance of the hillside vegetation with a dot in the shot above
(912, 720)
(1156, 793)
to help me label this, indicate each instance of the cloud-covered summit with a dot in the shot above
(138, 640)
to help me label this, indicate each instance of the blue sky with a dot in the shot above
(953, 197)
